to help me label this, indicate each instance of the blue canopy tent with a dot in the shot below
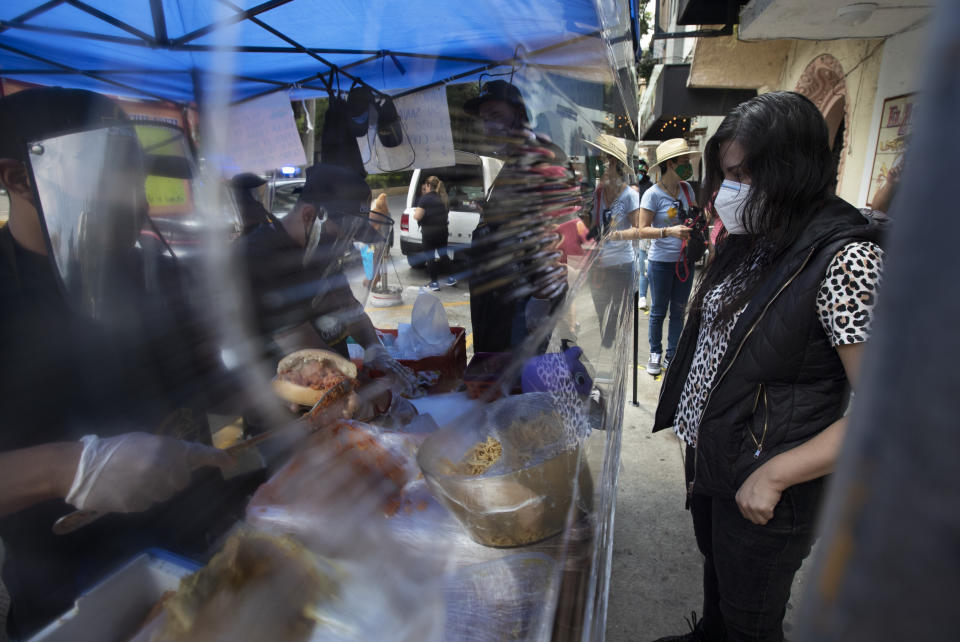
(215, 52)
(169, 49)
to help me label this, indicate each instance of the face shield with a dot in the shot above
(90, 197)
(345, 238)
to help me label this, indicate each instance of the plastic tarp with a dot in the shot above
(170, 49)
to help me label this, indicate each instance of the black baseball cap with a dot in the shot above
(43, 112)
(497, 90)
(247, 180)
(335, 187)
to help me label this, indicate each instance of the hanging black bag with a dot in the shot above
(389, 129)
(358, 108)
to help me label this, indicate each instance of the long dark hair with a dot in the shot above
(792, 175)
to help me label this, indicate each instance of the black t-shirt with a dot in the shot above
(64, 376)
(435, 214)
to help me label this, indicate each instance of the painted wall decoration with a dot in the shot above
(896, 124)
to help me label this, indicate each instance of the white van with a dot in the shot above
(467, 183)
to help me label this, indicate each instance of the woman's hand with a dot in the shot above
(678, 232)
(759, 495)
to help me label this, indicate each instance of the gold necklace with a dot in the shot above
(672, 195)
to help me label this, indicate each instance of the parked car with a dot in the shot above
(467, 183)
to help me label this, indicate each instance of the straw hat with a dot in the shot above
(671, 149)
(616, 147)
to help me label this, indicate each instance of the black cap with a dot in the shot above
(497, 90)
(42, 112)
(337, 188)
(246, 181)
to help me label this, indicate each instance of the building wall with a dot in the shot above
(899, 74)
(860, 61)
(727, 63)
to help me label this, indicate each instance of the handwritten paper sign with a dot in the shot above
(427, 139)
(262, 135)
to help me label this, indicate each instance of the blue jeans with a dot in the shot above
(666, 290)
(642, 273)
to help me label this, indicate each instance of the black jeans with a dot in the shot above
(748, 569)
(435, 249)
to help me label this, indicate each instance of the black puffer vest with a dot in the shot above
(780, 381)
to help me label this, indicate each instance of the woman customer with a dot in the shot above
(663, 209)
(432, 213)
(761, 378)
(617, 211)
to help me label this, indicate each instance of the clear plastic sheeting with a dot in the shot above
(476, 504)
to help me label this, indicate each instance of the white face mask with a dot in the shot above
(729, 203)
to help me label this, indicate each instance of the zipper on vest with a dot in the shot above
(763, 435)
(740, 347)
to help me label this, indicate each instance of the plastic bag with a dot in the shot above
(427, 334)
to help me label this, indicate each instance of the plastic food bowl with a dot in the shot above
(527, 494)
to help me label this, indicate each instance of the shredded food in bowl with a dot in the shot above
(481, 457)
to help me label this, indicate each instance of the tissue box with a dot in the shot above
(450, 365)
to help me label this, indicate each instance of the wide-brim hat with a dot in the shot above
(616, 147)
(671, 149)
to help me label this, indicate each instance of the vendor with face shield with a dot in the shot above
(300, 296)
(79, 383)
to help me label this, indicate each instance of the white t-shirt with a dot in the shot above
(666, 213)
(619, 252)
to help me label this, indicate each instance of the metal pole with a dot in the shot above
(636, 341)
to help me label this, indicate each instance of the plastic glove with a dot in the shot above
(131, 472)
(377, 358)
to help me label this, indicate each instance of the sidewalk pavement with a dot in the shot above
(656, 577)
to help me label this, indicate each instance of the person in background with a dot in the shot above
(618, 208)
(432, 213)
(643, 183)
(761, 379)
(884, 196)
(300, 296)
(509, 300)
(642, 180)
(662, 209)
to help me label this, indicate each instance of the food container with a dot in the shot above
(450, 365)
(114, 608)
(526, 496)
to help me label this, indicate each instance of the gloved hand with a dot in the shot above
(377, 357)
(129, 473)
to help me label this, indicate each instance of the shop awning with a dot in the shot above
(174, 49)
(670, 104)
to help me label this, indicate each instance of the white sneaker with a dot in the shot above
(642, 303)
(653, 366)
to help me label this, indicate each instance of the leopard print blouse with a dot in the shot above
(845, 305)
